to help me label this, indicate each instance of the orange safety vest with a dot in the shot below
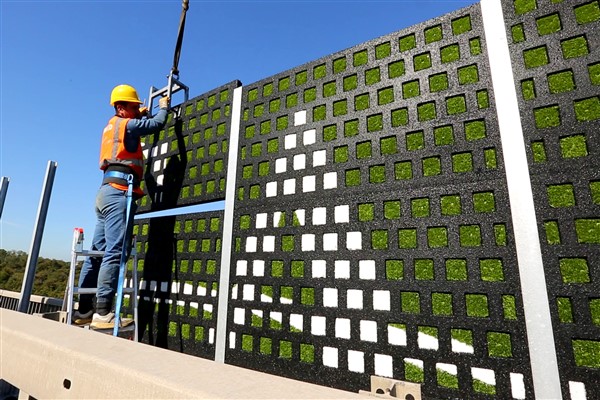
(113, 151)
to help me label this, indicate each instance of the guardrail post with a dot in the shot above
(3, 189)
(34, 250)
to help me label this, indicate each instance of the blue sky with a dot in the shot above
(60, 60)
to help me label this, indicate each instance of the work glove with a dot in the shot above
(144, 111)
(163, 103)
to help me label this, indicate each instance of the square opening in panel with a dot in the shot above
(300, 118)
(366, 269)
(354, 299)
(317, 325)
(330, 297)
(368, 331)
(330, 357)
(271, 189)
(342, 214)
(356, 361)
(308, 183)
(258, 266)
(319, 216)
(299, 161)
(330, 242)
(319, 268)
(289, 186)
(330, 180)
(342, 269)
(319, 158)
(309, 137)
(280, 165)
(342, 328)
(381, 300)
(290, 141)
(308, 242)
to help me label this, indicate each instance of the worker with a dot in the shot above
(121, 159)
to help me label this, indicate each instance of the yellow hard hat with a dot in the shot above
(124, 93)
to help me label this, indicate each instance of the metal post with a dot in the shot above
(3, 189)
(34, 250)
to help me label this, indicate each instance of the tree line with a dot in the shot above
(50, 277)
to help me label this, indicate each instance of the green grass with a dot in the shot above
(441, 304)
(509, 307)
(391, 209)
(407, 42)
(433, 34)
(483, 100)
(461, 25)
(365, 212)
(587, 353)
(277, 268)
(451, 205)
(422, 61)
(450, 53)
(491, 270)
(573, 146)
(413, 373)
(500, 234)
(552, 232)
(470, 235)
(388, 145)
(411, 89)
(307, 296)
(594, 73)
(353, 177)
(565, 310)
(574, 47)
(561, 195)
(560, 82)
(377, 173)
(475, 46)
(350, 82)
(477, 305)
(420, 207)
(587, 109)
(287, 243)
(379, 239)
(340, 154)
(587, 13)
(456, 105)
(547, 117)
(319, 71)
(437, 237)
(273, 145)
(407, 238)
(399, 117)
(319, 113)
(385, 95)
(329, 133)
(383, 50)
(468, 74)
(364, 150)
(432, 166)
(574, 270)
(403, 171)
(462, 162)
(374, 123)
(340, 107)
(518, 34)
(538, 151)
(394, 269)
(360, 58)
(595, 311)
(536, 57)
(484, 202)
(456, 269)
(426, 111)
(297, 269)
(438, 82)
(475, 130)
(524, 6)
(415, 140)
(361, 102)
(372, 76)
(548, 24)
(351, 128)
(410, 302)
(329, 89)
(267, 89)
(310, 94)
(282, 123)
(443, 135)
(339, 65)
(396, 69)
(588, 230)
(283, 84)
(595, 191)
(301, 78)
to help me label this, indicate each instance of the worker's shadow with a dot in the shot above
(160, 256)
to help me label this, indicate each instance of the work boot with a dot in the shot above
(107, 321)
(82, 318)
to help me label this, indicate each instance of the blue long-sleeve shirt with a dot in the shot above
(137, 128)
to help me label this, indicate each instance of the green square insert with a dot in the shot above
(443, 135)
(377, 173)
(484, 202)
(573, 146)
(438, 82)
(547, 117)
(499, 344)
(524, 6)
(470, 235)
(456, 269)
(468, 74)
(539, 151)
(432, 166)
(475, 130)
(360, 58)
(394, 270)
(411, 89)
(587, 109)
(379, 239)
(456, 105)
(548, 24)
(403, 171)
(383, 50)
(462, 162)
(411, 302)
(361, 102)
(477, 305)
(424, 269)
(536, 57)
(388, 145)
(426, 111)
(372, 76)
(587, 13)
(461, 25)
(415, 140)
(574, 47)
(396, 69)
(420, 207)
(433, 34)
(437, 237)
(552, 232)
(407, 42)
(562, 81)
(450, 53)
(391, 209)
(363, 150)
(441, 304)
(451, 204)
(422, 61)
(407, 238)
(574, 270)
(385, 95)
(491, 270)
(365, 212)
(350, 82)
(587, 353)
(588, 230)
(561, 195)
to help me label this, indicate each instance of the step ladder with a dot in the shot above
(78, 252)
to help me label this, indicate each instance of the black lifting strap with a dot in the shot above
(175, 70)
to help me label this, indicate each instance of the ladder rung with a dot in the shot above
(90, 253)
(78, 290)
